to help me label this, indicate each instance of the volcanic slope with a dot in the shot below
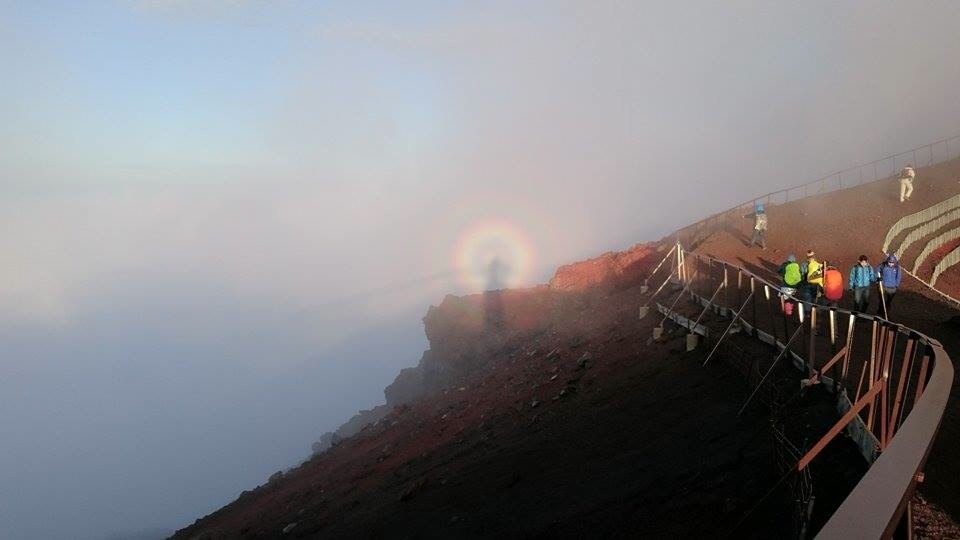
(566, 421)
(839, 227)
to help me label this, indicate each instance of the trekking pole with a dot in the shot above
(883, 299)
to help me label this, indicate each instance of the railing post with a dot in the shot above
(812, 349)
(846, 358)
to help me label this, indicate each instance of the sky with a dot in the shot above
(222, 220)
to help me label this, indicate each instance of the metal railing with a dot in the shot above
(880, 169)
(892, 382)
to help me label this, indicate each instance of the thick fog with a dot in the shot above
(221, 221)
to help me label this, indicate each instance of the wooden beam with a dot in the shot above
(901, 384)
(840, 354)
(922, 381)
(838, 427)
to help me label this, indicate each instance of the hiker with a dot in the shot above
(862, 278)
(792, 278)
(890, 276)
(906, 182)
(832, 286)
(759, 216)
(812, 271)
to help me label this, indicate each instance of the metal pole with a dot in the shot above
(706, 307)
(677, 299)
(655, 270)
(786, 348)
(883, 299)
(725, 332)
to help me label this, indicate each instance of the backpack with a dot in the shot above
(791, 274)
(833, 284)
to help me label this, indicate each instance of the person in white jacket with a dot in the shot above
(906, 182)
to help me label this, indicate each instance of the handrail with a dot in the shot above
(824, 184)
(876, 505)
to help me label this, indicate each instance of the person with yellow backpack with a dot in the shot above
(812, 271)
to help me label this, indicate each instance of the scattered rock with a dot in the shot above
(288, 528)
(413, 489)
(584, 361)
(554, 354)
(534, 404)
(554, 377)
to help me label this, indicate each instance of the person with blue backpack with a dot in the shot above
(862, 278)
(890, 276)
(759, 216)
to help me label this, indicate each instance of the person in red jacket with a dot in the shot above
(832, 286)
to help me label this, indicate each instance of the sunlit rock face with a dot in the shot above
(612, 269)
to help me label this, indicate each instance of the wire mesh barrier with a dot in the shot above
(799, 483)
(880, 169)
(891, 382)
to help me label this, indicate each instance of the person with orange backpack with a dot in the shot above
(832, 286)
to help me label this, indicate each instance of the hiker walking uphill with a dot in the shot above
(862, 278)
(759, 216)
(906, 182)
(890, 276)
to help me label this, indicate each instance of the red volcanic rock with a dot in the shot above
(612, 269)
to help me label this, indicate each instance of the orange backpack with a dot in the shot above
(833, 284)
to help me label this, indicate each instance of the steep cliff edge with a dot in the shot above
(463, 331)
(558, 417)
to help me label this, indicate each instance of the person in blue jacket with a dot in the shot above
(890, 275)
(862, 278)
